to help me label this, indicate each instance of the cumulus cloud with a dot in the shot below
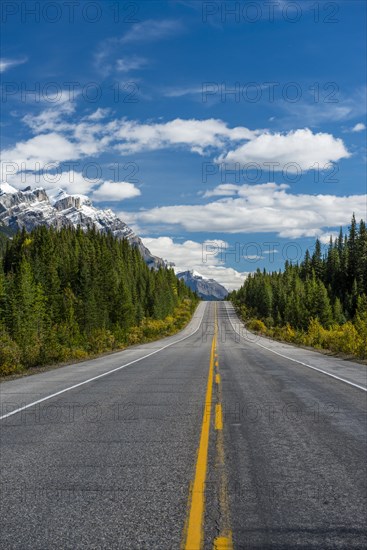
(302, 147)
(76, 183)
(193, 255)
(359, 127)
(59, 136)
(130, 136)
(38, 151)
(54, 118)
(99, 114)
(115, 191)
(259, 208)
(324, 238)
(71, 181)
(197, 135)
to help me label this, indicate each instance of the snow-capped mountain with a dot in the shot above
(207, 289)
(31, 207)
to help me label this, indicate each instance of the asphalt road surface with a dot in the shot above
(212, 438)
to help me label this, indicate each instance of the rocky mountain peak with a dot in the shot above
(31, 207)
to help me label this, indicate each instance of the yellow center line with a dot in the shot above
(195, 524)
(218, 417)
(224, 542)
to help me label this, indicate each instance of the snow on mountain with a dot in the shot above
(207, 289)
(31, 207)
(6, 188)
(58, 194)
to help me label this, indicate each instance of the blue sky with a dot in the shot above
(227, 134)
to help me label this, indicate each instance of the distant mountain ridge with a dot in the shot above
(29, 208)
(207, 289)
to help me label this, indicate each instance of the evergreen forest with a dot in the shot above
(68, 294)
(321, 302)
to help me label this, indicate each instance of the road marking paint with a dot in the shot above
(24, 407)
(224, 542)
(217, 364)
(195, 525)
(217, 378)
(301, 362)
(218, 417)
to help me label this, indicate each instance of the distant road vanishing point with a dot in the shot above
(212, 438)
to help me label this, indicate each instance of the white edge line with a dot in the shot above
(16, 411)
(299, 362)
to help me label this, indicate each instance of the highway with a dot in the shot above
(212, 438)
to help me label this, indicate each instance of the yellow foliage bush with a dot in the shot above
(288, 334)
(349, 338)
(101, 340)
(10, 355)
(135, 336)
(257, 326)
(79, 354)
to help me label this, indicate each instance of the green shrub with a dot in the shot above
(10, 354)
(101, 340)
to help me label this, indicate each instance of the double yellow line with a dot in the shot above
(194, 530)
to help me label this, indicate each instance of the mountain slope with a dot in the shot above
(207, 289)
(32, 207)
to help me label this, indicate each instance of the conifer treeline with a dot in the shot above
(69, 293)
(325, 291)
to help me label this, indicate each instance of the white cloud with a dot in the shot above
(329, 105)
(62, 137)
(259, 208)
(359, 127)
(151, 30)
(130, 136)
(224, 190)
(115, 191)
(76, 183)
(302, 147)
(125, 65)
(144, 31)
(324, 238)
(6, 64)
(38, 151)
(230, 278)
(99, 114)
(191, 255)
(62, 105)
(72, 182)
(253, 257)
(197, 135)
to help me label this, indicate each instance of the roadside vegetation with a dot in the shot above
(320, 303)
(70, 295)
